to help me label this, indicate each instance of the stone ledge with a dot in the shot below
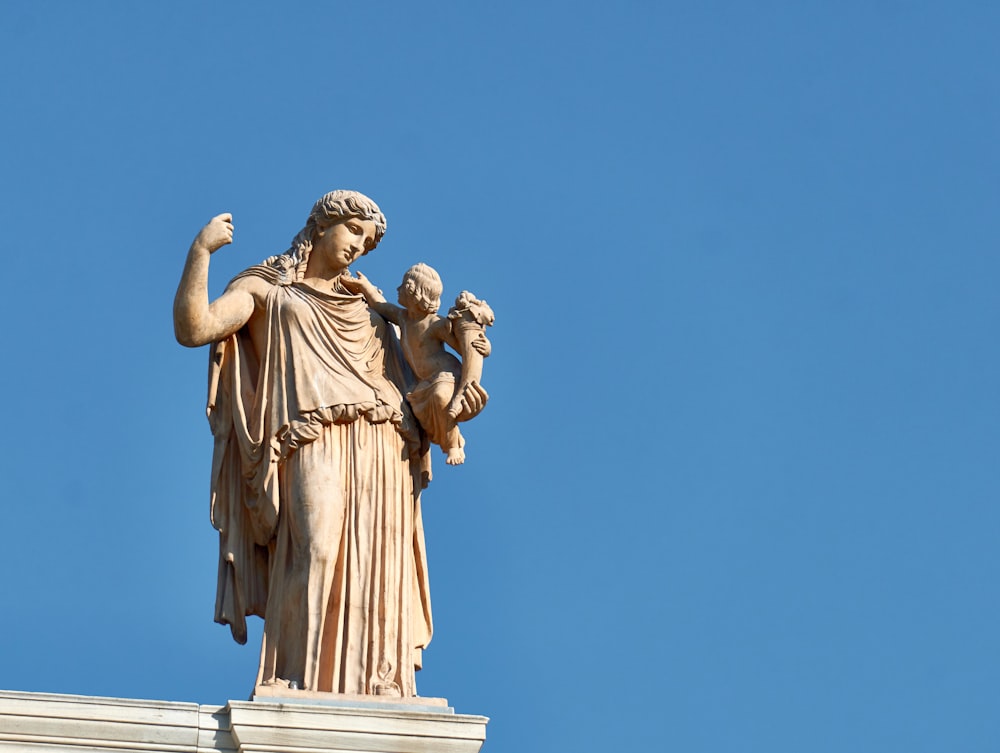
(54, 723)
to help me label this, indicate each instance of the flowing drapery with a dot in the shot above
(316, 483)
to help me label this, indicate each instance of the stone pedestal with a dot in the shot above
(50, 723)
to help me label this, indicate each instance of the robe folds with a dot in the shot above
(316, 478)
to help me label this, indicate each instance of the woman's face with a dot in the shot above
(340, 244)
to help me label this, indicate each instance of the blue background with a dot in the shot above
(737, 487)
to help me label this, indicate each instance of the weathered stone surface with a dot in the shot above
(340, 727)
(446, 391)
(51, 723)
(319, 462)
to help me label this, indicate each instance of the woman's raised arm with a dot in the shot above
(196, 320)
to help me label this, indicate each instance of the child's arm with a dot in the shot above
(441, 330)
(373, 296)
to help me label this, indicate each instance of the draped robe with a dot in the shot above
(316, 479)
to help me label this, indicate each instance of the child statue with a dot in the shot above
(448, 392)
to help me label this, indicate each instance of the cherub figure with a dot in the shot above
(447, 391)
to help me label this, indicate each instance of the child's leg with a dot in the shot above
(453, 444)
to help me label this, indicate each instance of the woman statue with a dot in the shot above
(318, 461)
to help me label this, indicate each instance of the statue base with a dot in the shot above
(279, 694)
(51, 723)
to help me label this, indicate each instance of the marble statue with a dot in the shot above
(448, 391)
(319, 460)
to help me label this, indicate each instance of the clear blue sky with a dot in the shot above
(737, 487)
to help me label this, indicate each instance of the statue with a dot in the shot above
(442, 397)
(319, 461)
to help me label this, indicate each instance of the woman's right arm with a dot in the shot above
(196, 320)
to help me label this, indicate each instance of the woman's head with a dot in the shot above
(421, 287)
(333, 208)
(340, 205)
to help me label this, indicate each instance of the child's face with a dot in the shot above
(404, 297)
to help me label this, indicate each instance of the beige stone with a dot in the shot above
(445, 391)
(319, 460)
(277, 694)
(318, 463)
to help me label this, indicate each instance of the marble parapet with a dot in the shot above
(54, 723)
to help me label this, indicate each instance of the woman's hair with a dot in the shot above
(333, 208)
(424, 287)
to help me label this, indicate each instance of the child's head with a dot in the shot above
(421, 289)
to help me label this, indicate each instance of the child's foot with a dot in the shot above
(456, 456)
